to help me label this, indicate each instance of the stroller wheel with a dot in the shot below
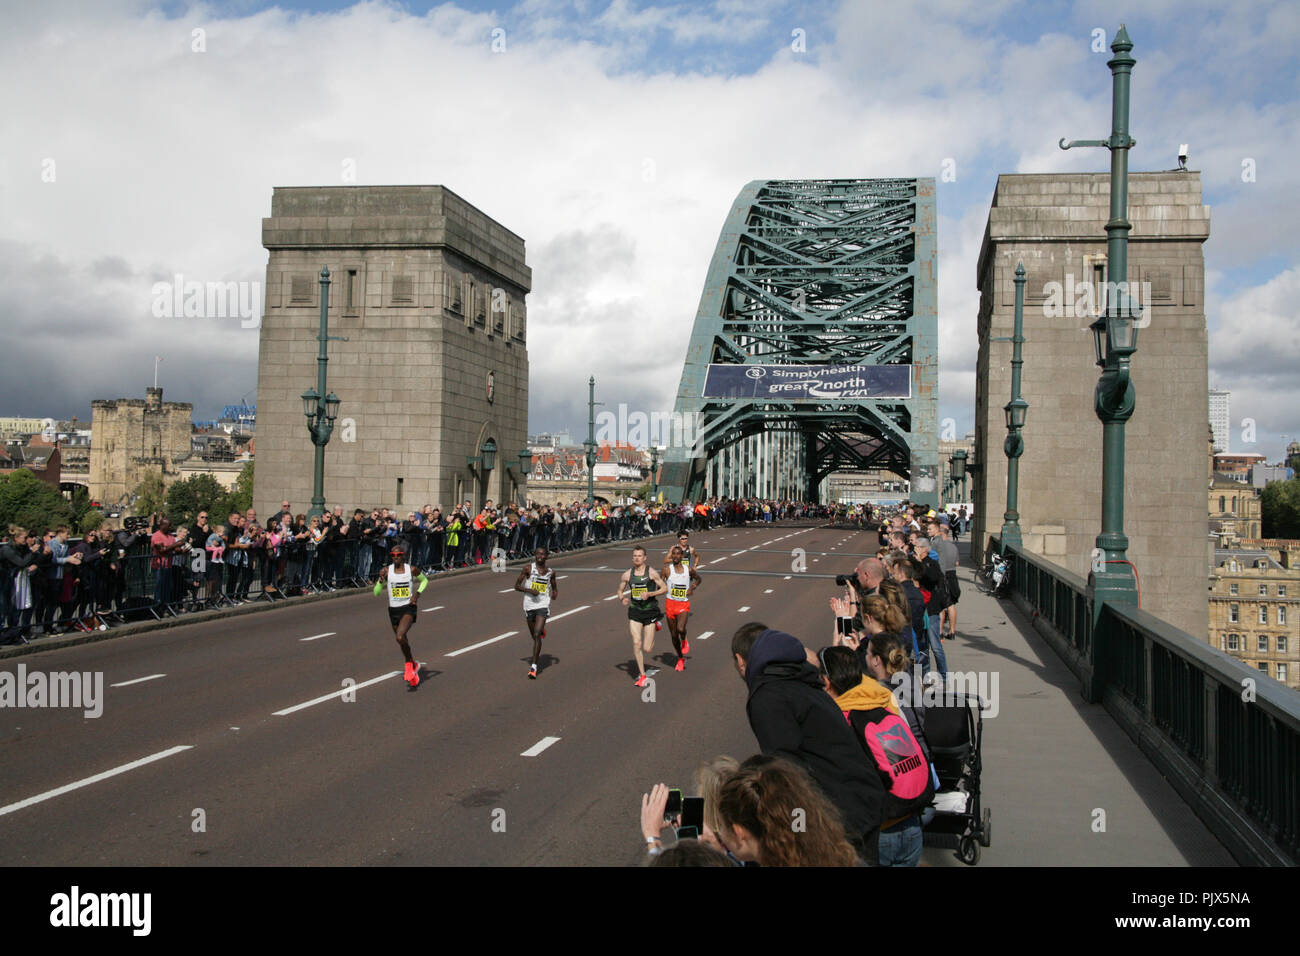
(968, 850)
(986, 828)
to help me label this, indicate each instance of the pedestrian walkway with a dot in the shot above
(1065, 784)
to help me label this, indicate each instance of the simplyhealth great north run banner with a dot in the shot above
(827, 382)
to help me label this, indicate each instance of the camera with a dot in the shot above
(845, 580)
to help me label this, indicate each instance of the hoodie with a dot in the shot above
(792, 716)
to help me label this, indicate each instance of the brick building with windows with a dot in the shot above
(1255, 612)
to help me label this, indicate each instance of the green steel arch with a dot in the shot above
(809, 275)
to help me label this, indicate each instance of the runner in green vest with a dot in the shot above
(643, 586)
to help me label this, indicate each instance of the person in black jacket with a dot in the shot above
(930, 578)
(791, 716)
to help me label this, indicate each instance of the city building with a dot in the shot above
(132, 438)
(427, 297)
(1261, 475)
(1255, 612)
(1220, 421)
(1237, 466)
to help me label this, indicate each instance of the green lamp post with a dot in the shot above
(590, 443)
(958, 462)
(1115, 339)
(1016, 410)
(654, 473)
(321, 412)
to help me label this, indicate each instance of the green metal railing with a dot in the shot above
(1225, 735)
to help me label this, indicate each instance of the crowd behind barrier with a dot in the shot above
(53, 583)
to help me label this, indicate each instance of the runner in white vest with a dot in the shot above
(537, 581)
(682, 580)
(401, 604)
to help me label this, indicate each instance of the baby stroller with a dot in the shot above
(954, 729)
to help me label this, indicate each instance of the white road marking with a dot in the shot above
(602, 567)
(787, 577)
(505, 591)
(704, 637)
(538, 747)
(561, 577)
(338, 693)
(138, 680)
(558, 616)
(737, 554)
(718, 560)
(742, 610)
(768, 591)
(438, 608)
(48, 794)
(491, 640)
(612, 597)
(317, 637)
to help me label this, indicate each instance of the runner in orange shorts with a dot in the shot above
(682, 580)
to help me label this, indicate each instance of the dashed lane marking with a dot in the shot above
(742, 610)
(317, 637)
(68, 788)
(138, 680)
(538, 747)
(338, 693)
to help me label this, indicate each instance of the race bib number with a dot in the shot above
(539, 587)
(638, 594)
(402, 591)
(678, 594)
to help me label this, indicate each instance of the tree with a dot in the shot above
(241, 498)
(149, 494)
(1280, 509)
(90, 521)
(80, 505)
(187, 497)
(26, 500)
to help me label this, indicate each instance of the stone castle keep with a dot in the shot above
(134, 437)
(1055, 224)
(429, 293)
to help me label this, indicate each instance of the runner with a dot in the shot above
(690, 557)
(539, 590)
(682, 580)
(401, 604)
(642, 607)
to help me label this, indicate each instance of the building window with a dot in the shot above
(1263, 590)
(350, 291)
(1263, 614)
(1281, 615)
(1281, 590)
(1223, 504)
(1281, 645)
(1261, 645)
(403, 290)
(1234, 613)
(399, 492)
(1263, 665)
(1281, 673)
(1232, 642)
(1232, 589)
(300, 289)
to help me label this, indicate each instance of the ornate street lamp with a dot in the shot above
(1016, 411)
(654, 473)
(958, 463)
(321, 413)
(1115, 340)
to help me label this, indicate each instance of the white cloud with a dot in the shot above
(618, 175)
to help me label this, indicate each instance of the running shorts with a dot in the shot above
(644, 615)
(537, 612)
(676, 607)
(395, 614)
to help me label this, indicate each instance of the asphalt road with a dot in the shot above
(280, 769)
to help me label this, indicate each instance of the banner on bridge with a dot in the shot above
(824, 382)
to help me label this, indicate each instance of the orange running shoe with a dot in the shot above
(680, 665)
(641, 681)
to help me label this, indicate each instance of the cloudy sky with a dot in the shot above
(143, 140)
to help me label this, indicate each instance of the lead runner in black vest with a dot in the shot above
(642, 607)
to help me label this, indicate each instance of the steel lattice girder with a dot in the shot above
(819, 272)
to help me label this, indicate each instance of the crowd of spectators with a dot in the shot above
(845, 776)
(50, 583)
